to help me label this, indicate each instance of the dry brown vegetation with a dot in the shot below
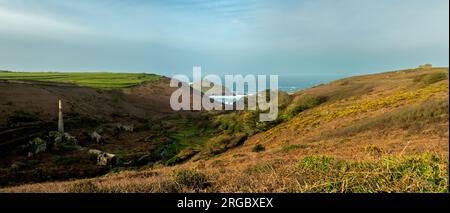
(421, 173)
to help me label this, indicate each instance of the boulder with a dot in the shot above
(126, 128)
(106, 159)
(95, 137)
(95, 152)
(63, 138)
(36, 146)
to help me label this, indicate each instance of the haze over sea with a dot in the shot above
(291, 82)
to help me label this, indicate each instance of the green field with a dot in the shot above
(103, 80)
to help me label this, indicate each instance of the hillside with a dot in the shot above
(384, 132)
(126, 121)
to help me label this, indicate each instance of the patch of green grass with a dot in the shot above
(223, 142)
(419, 173)
(183, 143)
(300, 104)
(190, 136)
(263, 168)
(90, 79)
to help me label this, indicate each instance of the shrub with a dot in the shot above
(374, 150)
(84, 186)
(18, 165)
(22, 116)
(344, 82)
(174, 160)
(302, 103)
(237, 140)
(33, 147)
(258, 148)
(70, 147)
(263, 168)
(191, 178)
(183, 155)
(320, 164)
(168, 187)
(222, 143)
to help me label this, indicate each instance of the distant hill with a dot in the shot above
(104, 104)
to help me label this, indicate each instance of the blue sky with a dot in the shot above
(304, 37)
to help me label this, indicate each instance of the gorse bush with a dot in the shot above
(371, 105)
(300, 104)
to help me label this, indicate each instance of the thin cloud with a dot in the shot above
(23, 23)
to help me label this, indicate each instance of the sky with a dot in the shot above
(168, 37)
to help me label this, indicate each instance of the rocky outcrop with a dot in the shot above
(104, 158)
(95, 137)
(60, 138)
(125, 128)
(36, 146)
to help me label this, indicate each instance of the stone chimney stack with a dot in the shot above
(60, 118)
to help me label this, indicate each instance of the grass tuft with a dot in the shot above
(191, 178)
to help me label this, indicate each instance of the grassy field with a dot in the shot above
(90, 79)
